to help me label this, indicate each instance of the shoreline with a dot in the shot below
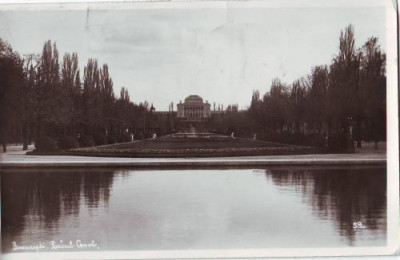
(18, 159)
(108, 162)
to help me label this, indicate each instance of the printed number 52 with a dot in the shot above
(358, 225)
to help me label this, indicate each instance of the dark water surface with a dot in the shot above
(194, 209)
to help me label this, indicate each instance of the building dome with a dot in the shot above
(193, 109)
(193, 99)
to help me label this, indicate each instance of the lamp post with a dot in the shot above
(144, 122)
(349, 133)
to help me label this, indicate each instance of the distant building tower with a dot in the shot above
(194, 109)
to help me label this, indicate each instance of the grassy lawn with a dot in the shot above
(216, 142)
(209, 145)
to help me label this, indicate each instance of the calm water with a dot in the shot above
(195, 209)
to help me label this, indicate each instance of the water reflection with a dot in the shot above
(343, 195)
(196, 209)
(44, 196)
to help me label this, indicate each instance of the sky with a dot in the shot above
(223, 54)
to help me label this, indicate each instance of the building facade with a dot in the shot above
(193, 109)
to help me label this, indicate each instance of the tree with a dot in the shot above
(91, 92)
(344, 89)
(71, 89)
(108, 98)
(276, 105)
(255, 111)
(317, 97)
(373, 83)
(47, 89)
(29, 101)
(297, 104)
(11, 86)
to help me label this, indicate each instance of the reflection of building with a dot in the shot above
(194, 109)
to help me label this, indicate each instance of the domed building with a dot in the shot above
(193, 109)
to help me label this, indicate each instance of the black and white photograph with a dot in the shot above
(199, 129)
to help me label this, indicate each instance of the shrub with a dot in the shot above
(126, 137)
(46, 144)
(112, 139)
(315, 140)
(160, 133)
(86, 141)
(139, 136)
(68, 142)
(100, 139)
(337, 141)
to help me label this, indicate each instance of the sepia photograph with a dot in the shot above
(199, 129)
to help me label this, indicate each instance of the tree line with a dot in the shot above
(344, 98)
(41, 97)
(341, 101)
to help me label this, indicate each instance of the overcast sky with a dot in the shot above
(221, 54)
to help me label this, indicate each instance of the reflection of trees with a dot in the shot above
(343, 195)
(96, 188)
(14, 197)
(49, 194)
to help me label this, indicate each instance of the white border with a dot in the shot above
(35, 5)
(392, 118)
(393, 236)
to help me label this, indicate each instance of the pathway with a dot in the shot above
(15, 157)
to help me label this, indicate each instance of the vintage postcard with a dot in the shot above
(199, 129)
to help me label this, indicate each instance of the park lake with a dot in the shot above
(126, 209)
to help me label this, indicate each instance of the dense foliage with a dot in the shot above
(46, 144)
(346, 99)
(41, 97)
